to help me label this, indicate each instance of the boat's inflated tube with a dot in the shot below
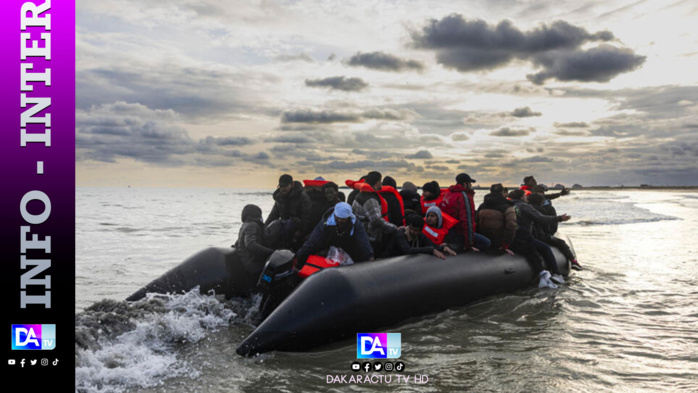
(211, 269)
(338, 303)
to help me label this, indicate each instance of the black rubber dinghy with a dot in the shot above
(337, 303)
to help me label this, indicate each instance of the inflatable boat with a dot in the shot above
(336, 303)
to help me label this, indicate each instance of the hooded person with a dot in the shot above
(290, 202)
(368, 207)
(251, 249)
(496, 218)
(339, 228)
(410, 199)
(459, 203)
(396, 208)
(439, 228)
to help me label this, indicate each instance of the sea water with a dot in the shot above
(627, 323)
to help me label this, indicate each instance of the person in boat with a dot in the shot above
(496, 219)
(546, 232)
(440, 228)
(527, 216)
(410, 199)
(530, 182)
(396, 208)
(339, 228)
(252, 251)
(354, 192)
(431, 196)
(292, 210)
(410, 240)
(332, 193)
(318, 202)
(368, 208)
(459, 203)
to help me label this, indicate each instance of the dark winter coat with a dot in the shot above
(294, 204)
(353, 240)
(318, 204)
(527, 216)
(410, 199)
(251, 249)
(496, 219)
(400, 245)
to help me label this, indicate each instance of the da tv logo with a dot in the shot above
(378, 345)
(33, 337)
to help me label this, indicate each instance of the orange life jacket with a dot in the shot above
(314, 264)
(437, 235)
(526, 189)
(392, 190)
(434, 202)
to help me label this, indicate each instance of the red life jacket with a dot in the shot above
(314, 264)
(392, 190)
(434, 202)
(527, 190)
(314, 183)
(363, 187)
(437, 235)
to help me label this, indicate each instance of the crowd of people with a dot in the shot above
(377, 221)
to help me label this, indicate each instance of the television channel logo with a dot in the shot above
(33, 337)
(378, 345)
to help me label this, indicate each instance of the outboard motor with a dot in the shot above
(277, 281)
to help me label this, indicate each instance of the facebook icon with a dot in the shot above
(378, 345)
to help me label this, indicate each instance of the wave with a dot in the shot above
(620, 221)
(120, 346)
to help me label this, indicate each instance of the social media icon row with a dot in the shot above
(32, 362)
(378, 366)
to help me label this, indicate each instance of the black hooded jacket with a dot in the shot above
(294, 204)
(251, 247)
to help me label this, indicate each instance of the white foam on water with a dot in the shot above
(146, 355)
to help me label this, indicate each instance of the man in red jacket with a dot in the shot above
(459, 203)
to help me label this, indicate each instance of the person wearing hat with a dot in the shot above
(252, 250)
(431, 196)
(290, 202)
(410, 240)
(410, 199)
(459, 203)
(339, 228)
(529, 182)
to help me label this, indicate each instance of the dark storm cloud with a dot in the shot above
(475, 45)
(600, 64)
(509, 132)
(338, 83)
(525, 112)
(384, 62)
(125, 130)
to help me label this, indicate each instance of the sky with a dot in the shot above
(203, 93)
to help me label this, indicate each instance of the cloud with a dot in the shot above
(384, 62)
(577, 124)
(338, 83)
(525, 112)
(298, 57)
(507, 132)
(310, 116)
(474, 45)
(460, 136)
(600, 64)
(108, 132)
(422, 154)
